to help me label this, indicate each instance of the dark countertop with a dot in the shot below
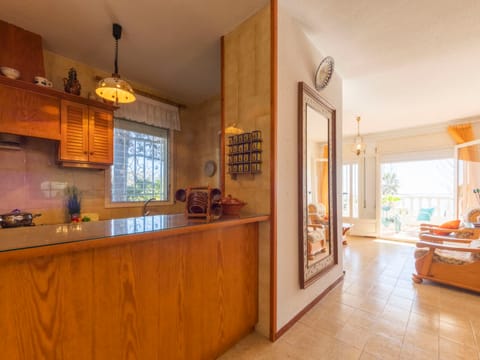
(46, 235)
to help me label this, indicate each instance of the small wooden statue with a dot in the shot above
(71, 84)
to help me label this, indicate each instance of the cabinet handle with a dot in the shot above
(92, 153)
(85, 152)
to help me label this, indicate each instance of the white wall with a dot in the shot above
(297, 61)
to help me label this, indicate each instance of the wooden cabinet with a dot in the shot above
(28, 113)
(86, 135)
(186, 293)
(83, 126)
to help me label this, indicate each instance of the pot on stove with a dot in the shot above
(17, 218)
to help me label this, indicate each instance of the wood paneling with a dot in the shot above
(74, 144)
(29, 113)
(87, 135)
(21, 50)
(100, 131)
(186, 296)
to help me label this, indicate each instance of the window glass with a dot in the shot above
(140, 169)
(350, 190)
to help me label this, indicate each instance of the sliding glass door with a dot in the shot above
(415, 188)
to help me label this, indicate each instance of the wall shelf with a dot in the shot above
(245, 154)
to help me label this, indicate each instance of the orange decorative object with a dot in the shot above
(449, 225)
(232, 206)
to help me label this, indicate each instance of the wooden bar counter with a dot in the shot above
(156, 287)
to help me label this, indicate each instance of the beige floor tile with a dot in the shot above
(424, 322)
(404, 293)
(400, 302)
(412, 352)
(450, 350)
(392, 330)
(374, 306)
(340, 350)
(395, 314)
(367, 356)
(352, 300)
(457, 318)
(458, 334)
(354, 336)
(383, 347)
(422, 308)
(427, 341)
(377, 313)
(362, 319)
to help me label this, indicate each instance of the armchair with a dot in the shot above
(452, 259)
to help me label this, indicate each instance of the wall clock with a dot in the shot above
(324, 72)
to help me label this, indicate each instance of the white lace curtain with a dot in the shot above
(151, 112)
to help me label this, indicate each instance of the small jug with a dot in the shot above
(71, 84)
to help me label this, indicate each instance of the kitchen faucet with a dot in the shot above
(145, 211)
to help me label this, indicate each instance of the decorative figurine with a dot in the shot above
(71, 84)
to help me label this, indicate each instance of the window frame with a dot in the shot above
(139, 204)
(353, 189)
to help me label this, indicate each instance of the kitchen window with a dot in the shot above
(141, 168)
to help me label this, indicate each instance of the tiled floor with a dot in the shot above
(378, 313)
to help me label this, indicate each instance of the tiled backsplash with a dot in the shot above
(32, 181)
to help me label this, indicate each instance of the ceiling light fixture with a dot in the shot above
(113, 88)
(232, 129)
(359, 145)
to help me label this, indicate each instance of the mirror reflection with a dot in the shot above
(318, 229)
(317, 218)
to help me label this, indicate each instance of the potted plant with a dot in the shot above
(73, 202)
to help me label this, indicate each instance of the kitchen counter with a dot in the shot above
(21, 238)
(137, 288)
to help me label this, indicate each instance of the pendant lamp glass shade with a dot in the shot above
(358, 145)
(113, 88)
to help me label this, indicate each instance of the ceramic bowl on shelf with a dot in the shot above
(10, 72)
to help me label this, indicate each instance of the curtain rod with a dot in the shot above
(153, 97)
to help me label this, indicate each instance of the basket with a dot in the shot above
(232, 209)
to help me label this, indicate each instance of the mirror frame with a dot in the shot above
(308, 96)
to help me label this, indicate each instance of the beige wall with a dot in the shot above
(247, 103)
(198, 142)
(297, 61)
(31, 178)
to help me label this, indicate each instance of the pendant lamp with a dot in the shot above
(359, 145)
(113, 88)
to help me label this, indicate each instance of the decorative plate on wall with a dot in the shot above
(209, 168)
(324, 72)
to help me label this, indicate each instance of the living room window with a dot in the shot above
(350, 190)
(141, 163)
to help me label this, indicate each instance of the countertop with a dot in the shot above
(21, 238)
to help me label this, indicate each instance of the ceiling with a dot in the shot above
(405, 63)
(172, 46)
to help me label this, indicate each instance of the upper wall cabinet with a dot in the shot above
(87, 136)
(24, 112)
(83, 126)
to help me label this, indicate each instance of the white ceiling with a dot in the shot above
(405, 63)
(172, 46)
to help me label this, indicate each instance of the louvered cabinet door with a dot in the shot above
(100, 136)
(74, 132)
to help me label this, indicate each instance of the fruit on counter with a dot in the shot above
(85, 219)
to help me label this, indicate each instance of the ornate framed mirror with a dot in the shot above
(318, 245)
